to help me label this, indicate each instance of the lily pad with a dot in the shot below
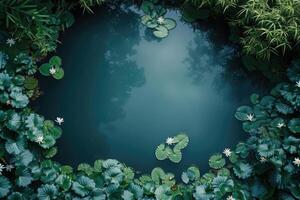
(45, 69)
(59, 74)
(176, 156)
(30, 83)
(294, 125)
(169, 23)
(145, 19)
(161, 153)
(161, 32)
(216, 161)
(182, 141)
(164, 151)
(55, 61)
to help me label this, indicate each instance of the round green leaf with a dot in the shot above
(55, 61)
(161, 32)
(176, 156)
(294, 125)
(59, 74)
(30, 83)
(216, 161)
(169, 23)
(45, 69)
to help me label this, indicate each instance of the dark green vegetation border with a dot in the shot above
(266, 166)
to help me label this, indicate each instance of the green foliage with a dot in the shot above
(53, 68)
(265, 166)
(163, 151)
(155, 20)
(216, 161)
(269, 28)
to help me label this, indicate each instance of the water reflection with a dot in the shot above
(86, 105)
(125, 92)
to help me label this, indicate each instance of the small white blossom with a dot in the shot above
(39, 139)
(10, 42)
(298, 84)
(227, 152)
(250, 117)
(59, 120)
(280, 125)
(230, 198)
(160, 20)
(262, 159)
(52, 70)
(9, 168)
(297, 162)
(1, 168)
(170, 141)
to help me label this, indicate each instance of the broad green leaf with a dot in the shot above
(216, 161)
(161, 32)
(59, 74)
(169, 23)
(45, 69)
(294, 125)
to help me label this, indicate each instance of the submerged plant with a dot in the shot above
(165, 151)
(53, 68)
(155, 20)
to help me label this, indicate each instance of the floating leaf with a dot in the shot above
(216, 161)
(145, 19)
(45, 69)
(242, 170)
(294, 125)
(161, 32)
(5, 186)
(30, 83)
(47, 192)
(242, 112)
(176, 156)
(147, 6)
(59, 74)
(161, 153)
(157, 175)
(55, 61)
(169, 23)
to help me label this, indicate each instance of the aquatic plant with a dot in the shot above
(155, 20)
(265, 166)
(52, 68)
(179, 142)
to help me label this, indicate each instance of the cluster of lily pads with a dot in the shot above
(164, 151)
(265, 166)
(52, 68)
(155, 20)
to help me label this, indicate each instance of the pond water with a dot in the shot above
(124, 92)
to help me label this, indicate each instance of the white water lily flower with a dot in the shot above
(9, 168)
(230, 198)
(161, 20)
(262, 159)
(10, 42)
(52, 70)
(227, 152)
(280, 125)
(298, 84)
(59, 120)
(250, 117)
(1, 168)
(39, 139)
(170, 141)
(297, 162)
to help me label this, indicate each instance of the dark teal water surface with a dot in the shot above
(124, 92)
